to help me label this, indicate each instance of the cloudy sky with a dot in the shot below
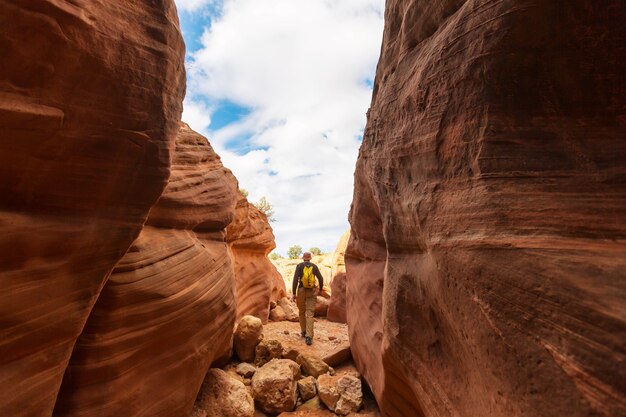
(280, 88)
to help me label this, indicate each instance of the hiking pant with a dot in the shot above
(305, 299)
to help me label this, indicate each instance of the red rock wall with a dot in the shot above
(337, 302)
(90, 98)
(489, 213)
(251, 239)
(168, 309)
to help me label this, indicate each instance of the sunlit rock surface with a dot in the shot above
(251, 239)
(90, 99)
(168, 309)
(486, 267)
(337, 305)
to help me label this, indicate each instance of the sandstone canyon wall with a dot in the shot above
(337, 303)
(489, 213)
(168, 309)
(90, 99)
(258, 281)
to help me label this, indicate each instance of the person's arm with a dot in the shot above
(296, 278)
(319, 276)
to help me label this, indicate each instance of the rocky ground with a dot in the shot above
(274, 373)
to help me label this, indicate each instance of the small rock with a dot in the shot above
(338, 356)
(291, 353)
(278, 314)
(245, 369)
(312, 365)
(233, 374)
(332, 337)
(274, 386)
(197, 412)
(328, 391)
(272, 304)
(286, 332)
(307, 388)
(247, 336)
(313, 404)
(290, 309)
(266, 351)
(342, 394)
(351, 398)
(247, 382)
(223, 396)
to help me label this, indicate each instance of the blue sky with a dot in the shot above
(280, 88)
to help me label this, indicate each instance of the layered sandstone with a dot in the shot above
(168, 309)
(337, 302)
(487, 257)
(251, 239)
(90, 98)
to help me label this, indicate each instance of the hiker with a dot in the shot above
(306, 295)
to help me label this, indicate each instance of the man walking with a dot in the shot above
(305, 293)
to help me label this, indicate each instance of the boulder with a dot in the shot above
(266, 351)
(312, 365)
(247, 336)
(274, 386)
(307, 388)
(278, 314)
(290, 308)
(342, 393)
(223, 396)
(245, 369)
(321, 306)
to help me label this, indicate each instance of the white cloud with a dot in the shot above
(302, 68)
(192, 5)
(197, 114)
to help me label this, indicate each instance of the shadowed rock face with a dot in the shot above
(489, 212)
(90, 98)
(168, 309)
(251, 239)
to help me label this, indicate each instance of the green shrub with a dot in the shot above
(294, 252)
(315, 251)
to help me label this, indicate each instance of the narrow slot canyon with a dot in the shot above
(483, 273)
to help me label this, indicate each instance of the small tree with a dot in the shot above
(266, 208)
(294, 252)
(274, 256)
(315, 251)
(244, 192)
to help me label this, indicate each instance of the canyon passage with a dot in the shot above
(484, 272)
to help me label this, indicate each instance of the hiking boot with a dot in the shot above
(303, 333)
(308, 340)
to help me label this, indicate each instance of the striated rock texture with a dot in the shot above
(90, 98)
(168, 309)
(251, 239)
(487, 262)
(337, 304)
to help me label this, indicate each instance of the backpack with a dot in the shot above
(308, 278)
